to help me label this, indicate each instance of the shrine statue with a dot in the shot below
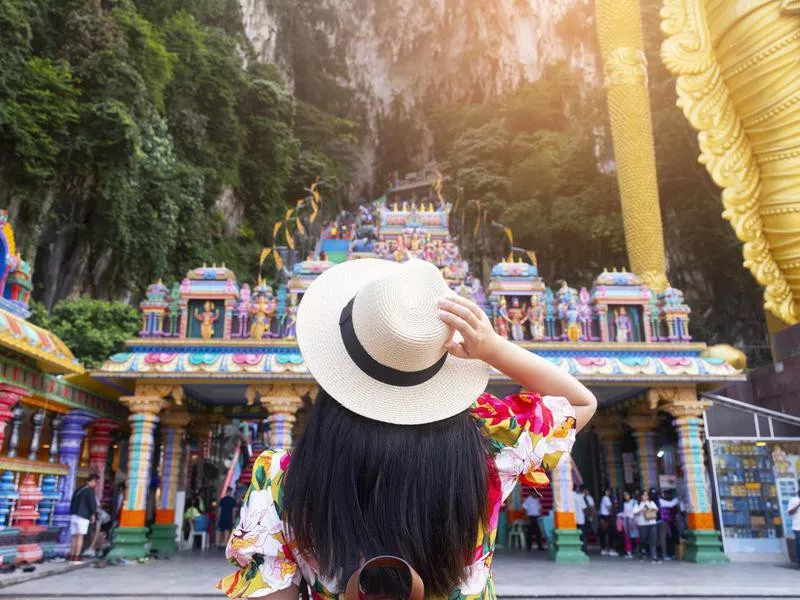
(536, 319)
(428, 253)
(441, 254)
(573, 323)
(243, 310)
(517, 317)
(290, 325)
(207, 319)
(501, 322)
(622, 325)
(465, 291)
(400, 252)
(262, 311)
(414, 246)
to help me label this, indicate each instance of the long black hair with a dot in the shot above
(357, 488)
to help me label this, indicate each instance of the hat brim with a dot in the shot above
(451, 391)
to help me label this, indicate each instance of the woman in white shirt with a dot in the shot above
(629, 528)
(607, 525)
(645, 515)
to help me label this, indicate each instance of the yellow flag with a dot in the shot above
(278, 260)
(532, 257)
(289, 214)
(276, 228)
(509, 235)
(264, 254)
(477, 219)
(300, 227)
(314, 211)
(289, 238)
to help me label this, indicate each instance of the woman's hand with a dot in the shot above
(478, 338)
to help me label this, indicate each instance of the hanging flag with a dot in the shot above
(509, 235)
(477, 219)
(278, 260)
(264, 254)
(289, 214)
(314, 210)
(289, 238)
(532, 257)
(300, 227)
(276, 228)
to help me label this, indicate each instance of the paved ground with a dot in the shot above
(518, 576)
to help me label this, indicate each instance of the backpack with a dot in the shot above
(353, 590)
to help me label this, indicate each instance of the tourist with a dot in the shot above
(607, 525)
(533, 508)
(646, 517)
(580, 519)
(794, 511)
(82, 511)
(668, 515)
(225, 516)
(403, 455)
(591, 511)
(629, 529)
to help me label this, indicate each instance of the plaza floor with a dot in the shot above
(518, 576)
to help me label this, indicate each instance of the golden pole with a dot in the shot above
(619, 28)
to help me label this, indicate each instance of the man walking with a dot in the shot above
(794, 511)
(82, 510)
(533, 508)
(225, 518)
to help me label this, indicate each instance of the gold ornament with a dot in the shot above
(736, 65)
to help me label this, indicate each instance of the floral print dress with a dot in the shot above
(527, 434)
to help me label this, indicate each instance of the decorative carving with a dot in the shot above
(162, 391)
(677, 401)
(748, 117)
(38, 422)
(175, 419)
(626, 66)
(144, 404)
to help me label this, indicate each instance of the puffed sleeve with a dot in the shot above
(257, 545)
(527, 433)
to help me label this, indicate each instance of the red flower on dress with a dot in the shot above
(285, 461)
(490, 408)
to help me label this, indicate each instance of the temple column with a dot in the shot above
(70, 438)
(566, 546)
(99, 442)
(609, 429)
(9, 396)
(173, 427)
(282, 401)
(703, 541)
(131, 539)
(619, 27)
(643, 423)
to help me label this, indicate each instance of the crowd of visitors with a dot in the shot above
(645, 524)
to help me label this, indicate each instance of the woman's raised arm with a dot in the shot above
(479, 341)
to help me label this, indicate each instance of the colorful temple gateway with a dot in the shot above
(216, 359)
(55, 424)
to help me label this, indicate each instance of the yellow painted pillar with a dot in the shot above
(643, 422)
(608, 427)
(619, 29)
(282, 401)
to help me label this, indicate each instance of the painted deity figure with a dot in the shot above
(290, 325)
(440, 253)
(573, 322)
(428, 253)
(174, 310)
(517, 317)
(207, 318)
(536, 319)
(501, 321)
(400, 252)
(415, 243)
(585, 312)
(465, 291)
(380, 247)
(243, 311)
(622, 325)
(262, 311)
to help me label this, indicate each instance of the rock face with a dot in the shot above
(452, 48)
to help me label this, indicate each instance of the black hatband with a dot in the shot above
(372, 367)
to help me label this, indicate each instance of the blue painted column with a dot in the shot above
(71, 434)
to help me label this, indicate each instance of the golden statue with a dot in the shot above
(262, 311)
(207, 319)
(738, 82)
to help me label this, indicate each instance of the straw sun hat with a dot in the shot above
(370, 334)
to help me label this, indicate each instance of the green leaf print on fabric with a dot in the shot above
(261, 477)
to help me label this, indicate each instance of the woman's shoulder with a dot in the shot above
(268, 473)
